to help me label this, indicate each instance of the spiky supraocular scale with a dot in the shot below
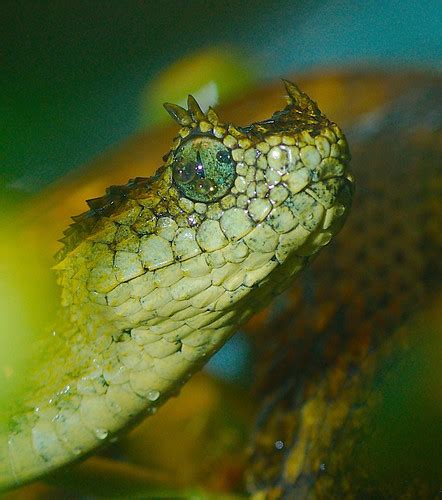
(159, 273)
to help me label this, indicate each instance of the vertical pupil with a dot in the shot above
(199, 167)
(200, 170)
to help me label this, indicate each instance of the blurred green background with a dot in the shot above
(72, 73)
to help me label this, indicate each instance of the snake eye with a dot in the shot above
(203, 169)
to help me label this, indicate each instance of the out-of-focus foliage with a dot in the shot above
(27, 303)
(212, 76)
(199, 437)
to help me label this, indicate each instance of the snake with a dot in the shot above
(159, 273)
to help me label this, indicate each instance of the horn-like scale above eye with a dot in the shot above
(203, 169)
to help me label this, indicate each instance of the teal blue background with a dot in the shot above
(71, 73)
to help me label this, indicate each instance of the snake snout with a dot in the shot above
(309, 187)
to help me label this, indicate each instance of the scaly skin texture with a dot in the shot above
(350, 381)
(154, 282)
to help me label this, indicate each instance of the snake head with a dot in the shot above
(280, 186)
(251, 204)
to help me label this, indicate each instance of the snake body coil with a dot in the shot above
(161, 272)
